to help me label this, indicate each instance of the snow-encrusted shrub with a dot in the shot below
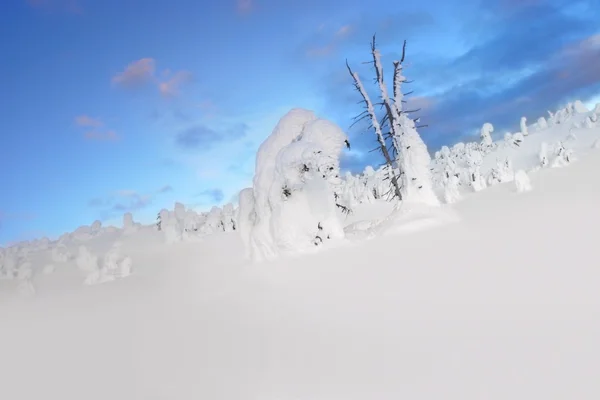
(542, 124)
(88, 263)
(522, 181)
(543, 154)
(589, 123)
(228, 218)
(129, 226)
(451, 190)
(487, 143)
(579, 107)
(502, 172)
(113, 266)
(524, 130)
(294, 187)
(474, 160)
(562, 156)
(8, 263)
(61, 254)
(596, 144)
(96, 228)
(48, 269)
(518, 138)
(82, 234)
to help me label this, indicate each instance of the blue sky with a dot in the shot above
(129, 105)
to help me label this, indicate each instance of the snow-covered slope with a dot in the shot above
(501, 305)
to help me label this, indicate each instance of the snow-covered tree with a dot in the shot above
(542, 124)
(524, 130)
(522, 181)
(293, 205)
(502, 172)
(562, 155)
(474, 160)
(451, 190)
(543, 154)
(405, 153)
(486, 135)
(129, 226)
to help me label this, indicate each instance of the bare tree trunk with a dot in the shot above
(370, 112)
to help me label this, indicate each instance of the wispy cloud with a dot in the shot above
(142, 73)
(245, 6)
(122, 201)
(211, 196)
(165, 189)
(136, 74)
(95, 129)
(328, 40)
(171, 87)
(87, 121)
(202, 137)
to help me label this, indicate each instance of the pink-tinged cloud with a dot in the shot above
(136, 74)
(87, 121)
(344, 31)
(208, 108)
(109, 135)
(172, 86)
(245, 6)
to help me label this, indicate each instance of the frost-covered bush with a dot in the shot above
(82, 234)
(579, 107)
(518, 138)
(60, 253)
(86, 261)
(596, 144)
(8, 263)
(246, 219)
(129, 226)
(474, 160)
(562, 156)
(113, 266)
(543, 154)
(451, 190)
(542, 124)
(486, 135)
(96, 228)
(502, 172)
(522, 181)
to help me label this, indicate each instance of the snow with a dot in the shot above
(492, 295)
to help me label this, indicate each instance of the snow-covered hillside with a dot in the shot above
(494, 296)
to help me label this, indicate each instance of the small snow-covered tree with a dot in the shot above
(518, 138)
(502, 172)
(474, 160)
(542, 124)
(522, 181)
(543, 154)
(451, 190)
(524, 129)
(562, 156)
(486, 135)
(405, 153)
(129, 226)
